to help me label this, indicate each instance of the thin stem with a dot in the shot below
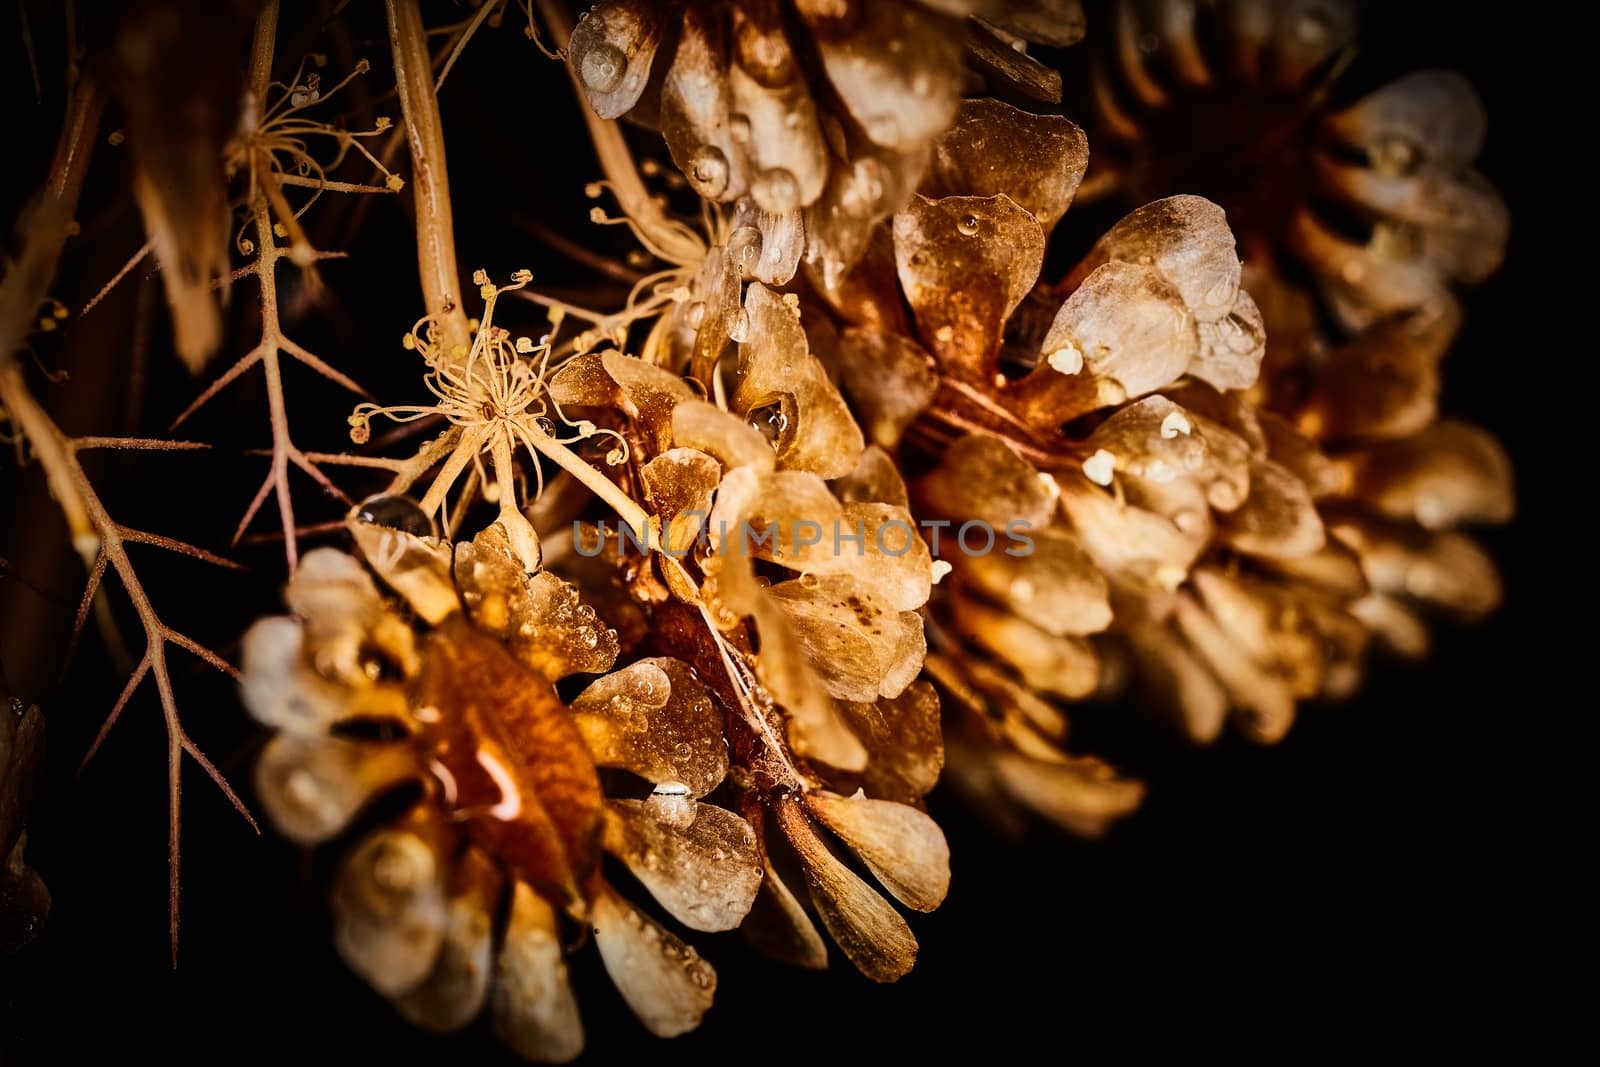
(430, 182)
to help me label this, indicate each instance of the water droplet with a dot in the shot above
(744, 248)
(771, 421)
(776, 190)
(968, 226)
(546, 426)
(739, 127)
(683, 750)
(739, 327)
(603, 67)
(708, 169)
(396, 513)
(671, 805)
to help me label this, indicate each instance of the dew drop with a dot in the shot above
(739, 328)
(968, 226)
(744, 248)
(603, 67)
(708, 169)
(396, 513)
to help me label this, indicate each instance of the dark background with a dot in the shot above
(1365, 881)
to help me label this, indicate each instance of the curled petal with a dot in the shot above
(696, 109)
(1185, 240)
(534, 1010)
(981, 477)
(1130, 542)
(993, 148)
(1064, 666)
(905, 750)
(1178, 681)
(876, 479)
(1277, 519)
(665, 982)
(902, 847)
(1432, 114)
(1267, 701)
(680, 483)
(1056, 586)
(313, 786)
(418, 568)
(611, 51)
(1443, 569)
(1232, 348)
(655, 718)
(610, 379)
(866, 927)
(705, 874)
(860, 647)
(345, 618)
(1384, 383)
(817, 432)
(965, 263)
(1152, 438)
(1268, 625)
(890, 378)
(389, 910)
(1126, 322)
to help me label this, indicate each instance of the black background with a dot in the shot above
(1363, 883)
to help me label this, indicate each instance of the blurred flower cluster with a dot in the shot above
(571, 675)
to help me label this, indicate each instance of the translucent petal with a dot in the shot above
(665, 982)
(866, 927)
(897, 69)
(982, 478)
(992, 55)
(705, 874)
(1184, 239)
(890, 378)
(418, 568)
(1365, 283)
(776, 367)
(695, 109)
(1152, 438)
(680, 483)
(1231, 349)
(1127, 323)
(860, 647)
(281, 690)
(1298, 454)
(904, 747)
(1064, 666)
(1278, 518)
(655, 718)
(1267, 702)
(778, 925)
(541, 618)
(775, 117)
(611, 379)
(1268, 624)
(1036, 160)
(965, 263)
(1443, 569)
(1385, 382)
(1397, 626)
(783, 241)
(1447, 475)
(1308, 33)
(345, 617)
(1435, 114)
(534, 1010)
(860, 193)
(453, 994)
(311, 787)
(902, 847)
(733, 441)
(876, 479)
(611, 50)
(389, 910)
(1129, 542)
(1056, 586)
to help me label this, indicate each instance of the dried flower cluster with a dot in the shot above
(579, 674)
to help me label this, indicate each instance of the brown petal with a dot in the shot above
(1445, 569)
(389, 910)
(1268, 704)
(1231, 349)
(418, 568)
(860, 647)
(776, 367)
(1364, 283)
(775, 118)
(1130, 542)
(861, 193)
(665, 982)
(905, 751)
(1178, 681)
(1056, 586)
(1152, 438)
(1064, 666)
(680, 483)
(902, 847)
(1278, 518)
(1036, 160)
(705, 874)
(965, 263)
(866, 927)
(311, 787)
(454, 993)
(611, 50)
(1447, 475)
(611, 379)
(896, 68)
(1185, 240)
(733, 441)
(1385, 382)
(281, 690)
(889, 377)
(1267, 624)
(1125, 322)
(655, 718)
(1307, 34)
(534, 1011)
(1057, 23)
(541, 618)
(1082, 795)
(695, 109)
(982, 478)
(778, 925)
(345, 618)
(876, 479)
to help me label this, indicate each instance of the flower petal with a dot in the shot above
(453, 994)
(860, 646)
(389, 910)
(1036, 160)
(311, 787)
(866, 927)
(611, 51)
(902, 847)
(655, 718)
(1444, 476)
(905, 751)
(534, 1010)
(665, 982)
(705, 874)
